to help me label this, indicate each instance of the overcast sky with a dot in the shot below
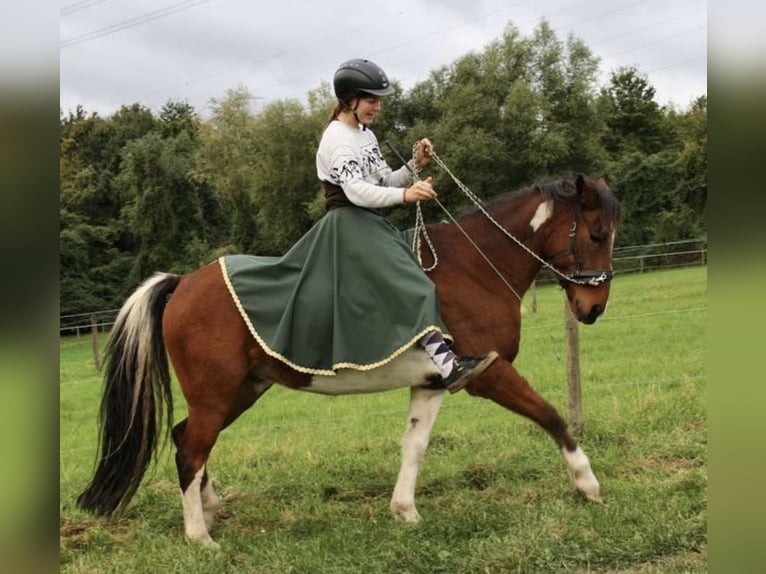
(114, 52)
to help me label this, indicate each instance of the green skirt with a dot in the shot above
(349, 294)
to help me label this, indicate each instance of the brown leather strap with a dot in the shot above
(334, 196)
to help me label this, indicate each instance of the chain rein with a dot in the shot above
(420, 228)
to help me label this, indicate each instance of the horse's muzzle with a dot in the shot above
(595, 312)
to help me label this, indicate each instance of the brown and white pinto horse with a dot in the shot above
(222, 370)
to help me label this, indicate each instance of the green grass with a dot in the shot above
(305, 479)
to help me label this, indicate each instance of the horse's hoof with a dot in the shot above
(595, 497)
(205, 541)
(209, 518)
(211, 544)
(410, 515)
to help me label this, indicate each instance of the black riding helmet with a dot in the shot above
(360, 76)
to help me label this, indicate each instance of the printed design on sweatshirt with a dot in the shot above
(372, 161)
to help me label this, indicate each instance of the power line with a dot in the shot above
(576, 26)
(494, 12)
(647, 27)
(77, 6)
(657, 40)
(686, 61)
(295, 48)
(430, 36)
(342, 34)
(130, 23)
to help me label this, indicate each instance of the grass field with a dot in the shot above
(305, 479)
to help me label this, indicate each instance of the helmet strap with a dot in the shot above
(356, 117)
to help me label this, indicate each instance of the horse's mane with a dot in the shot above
(563, 190)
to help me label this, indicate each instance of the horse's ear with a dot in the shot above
(579, 183)
(586, 191)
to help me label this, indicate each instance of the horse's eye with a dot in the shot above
(596, 238)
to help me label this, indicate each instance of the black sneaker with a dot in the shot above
(465, 369)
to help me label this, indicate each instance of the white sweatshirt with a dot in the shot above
(350, 158)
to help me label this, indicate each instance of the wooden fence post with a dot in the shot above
(94, 331)
(574, 393)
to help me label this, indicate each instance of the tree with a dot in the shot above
(142, 193)
(225, 161)
(165, 212)
(634, 120)
(690, 191)
(644, 184)
(95, 245)
(658, 161)
(178, 117)
(285, 182)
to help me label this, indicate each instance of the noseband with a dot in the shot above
(580, 277)
(594, 278)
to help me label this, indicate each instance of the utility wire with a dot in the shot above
(656, 41)
(130, 23)
(77, 6)
(491, 13)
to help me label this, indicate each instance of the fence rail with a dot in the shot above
(652, 257)
(571, 331)
(628, 259)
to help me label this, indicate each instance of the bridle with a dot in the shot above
(590, 278)
(593, 278)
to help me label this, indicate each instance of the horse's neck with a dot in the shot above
(490, 243)
(502, 247)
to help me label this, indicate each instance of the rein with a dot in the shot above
(420, 227)
(580, 277)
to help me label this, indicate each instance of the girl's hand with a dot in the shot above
(419, 191)
(423, 152)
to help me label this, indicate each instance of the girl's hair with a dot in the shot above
(339, 107)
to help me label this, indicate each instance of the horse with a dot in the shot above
(567, 226)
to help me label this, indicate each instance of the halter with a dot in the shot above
(592, 278)
(579, 277)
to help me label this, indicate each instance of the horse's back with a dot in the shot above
(207, 338)
(201, 302)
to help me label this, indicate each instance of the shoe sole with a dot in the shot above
(480, 368)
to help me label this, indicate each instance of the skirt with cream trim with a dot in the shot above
(349, 294)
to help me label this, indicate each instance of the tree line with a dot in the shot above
(142, 192)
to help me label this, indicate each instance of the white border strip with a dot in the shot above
(272, 353)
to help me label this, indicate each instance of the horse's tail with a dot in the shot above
(136, 383)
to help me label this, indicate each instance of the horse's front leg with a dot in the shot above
(503, 384)
(424, 406)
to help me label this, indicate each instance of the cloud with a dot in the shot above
(284, 49)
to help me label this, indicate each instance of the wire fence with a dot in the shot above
(630, 259)
(77, 390)
(650, 257)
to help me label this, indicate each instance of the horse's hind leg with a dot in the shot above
(503, 384)
(424, 407)
(247, 397)
(208, 498)
(194, 439)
